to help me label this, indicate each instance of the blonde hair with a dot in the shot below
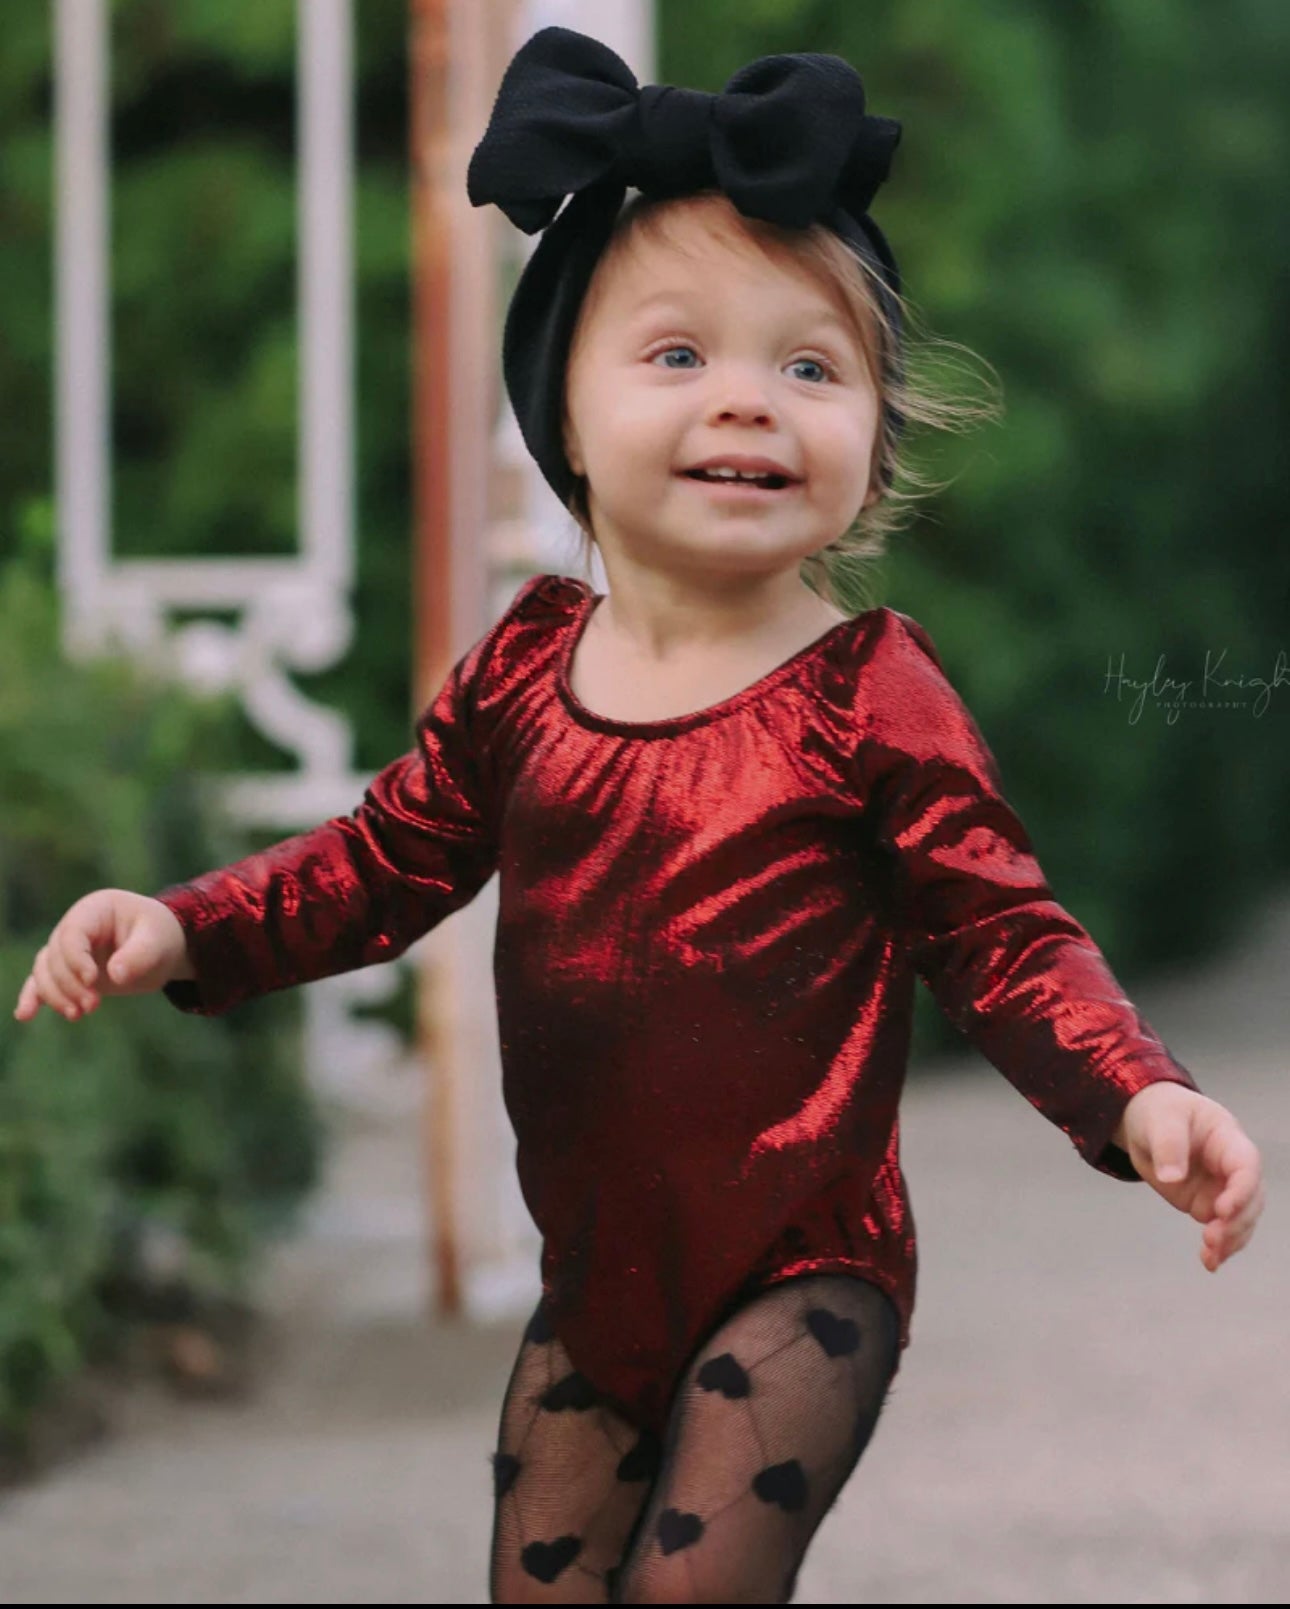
(840, 572)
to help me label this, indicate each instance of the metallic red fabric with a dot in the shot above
(710, 929)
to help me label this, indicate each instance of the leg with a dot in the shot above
(569, 1479)
(769, 1421)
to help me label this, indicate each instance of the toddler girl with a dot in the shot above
(732, 825)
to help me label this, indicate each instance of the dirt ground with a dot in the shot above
(1086, 1415)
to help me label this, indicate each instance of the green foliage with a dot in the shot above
(204, 335)
(138, 1121)
(1085, 195)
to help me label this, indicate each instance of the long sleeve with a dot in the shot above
(1010, 968)
(360, 888)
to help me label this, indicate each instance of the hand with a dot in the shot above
(1216, 1168)
(110, 942)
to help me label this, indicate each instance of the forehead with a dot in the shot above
(698, 260)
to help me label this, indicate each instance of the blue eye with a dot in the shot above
(824, 372)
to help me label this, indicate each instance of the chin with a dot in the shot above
(744, 557)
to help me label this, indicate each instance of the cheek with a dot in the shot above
(837, 451)
(630, 432)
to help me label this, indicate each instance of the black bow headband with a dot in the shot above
(788, 141)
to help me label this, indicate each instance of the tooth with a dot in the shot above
(752, 477)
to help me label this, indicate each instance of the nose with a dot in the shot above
(740, 395)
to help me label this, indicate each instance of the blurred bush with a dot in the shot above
(144, 1155)
(203, 307)
(1085, 195)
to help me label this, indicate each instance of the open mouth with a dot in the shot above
(741, 483)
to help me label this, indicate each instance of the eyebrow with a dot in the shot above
(670, 299)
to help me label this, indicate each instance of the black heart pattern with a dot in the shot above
(677, 1530)
(539, 1330)
(837, 1336)
(574, 1391)
(505, 1468)
(784, 1484)
(545, 1560)
(726, 1375)
(642, 1461)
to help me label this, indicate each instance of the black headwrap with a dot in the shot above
(788, 141)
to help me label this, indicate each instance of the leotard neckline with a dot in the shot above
(668, 726)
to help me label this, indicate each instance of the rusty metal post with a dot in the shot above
(457, 51)
(430, 67)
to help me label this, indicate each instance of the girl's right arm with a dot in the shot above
(356, 890)
(110, 942)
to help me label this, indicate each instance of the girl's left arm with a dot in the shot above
(1013, 970)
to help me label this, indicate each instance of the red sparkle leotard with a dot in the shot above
(708, 937)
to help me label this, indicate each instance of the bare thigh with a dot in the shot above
(570, 1477)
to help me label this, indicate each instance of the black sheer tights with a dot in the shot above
(768, 1422)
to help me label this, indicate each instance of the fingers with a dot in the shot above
(28, 1000)
(51, 989)
(1242, 1164)
(82, 962)
(1224, 1236)
(1214, 1253)
(1234, 1170)
(1238, 1223)
(1240, 1200)
(71, 984)
(54, 982)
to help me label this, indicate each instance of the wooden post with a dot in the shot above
(463, 513)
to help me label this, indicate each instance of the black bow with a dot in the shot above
(787, 141)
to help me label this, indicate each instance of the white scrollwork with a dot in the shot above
(294, 614)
